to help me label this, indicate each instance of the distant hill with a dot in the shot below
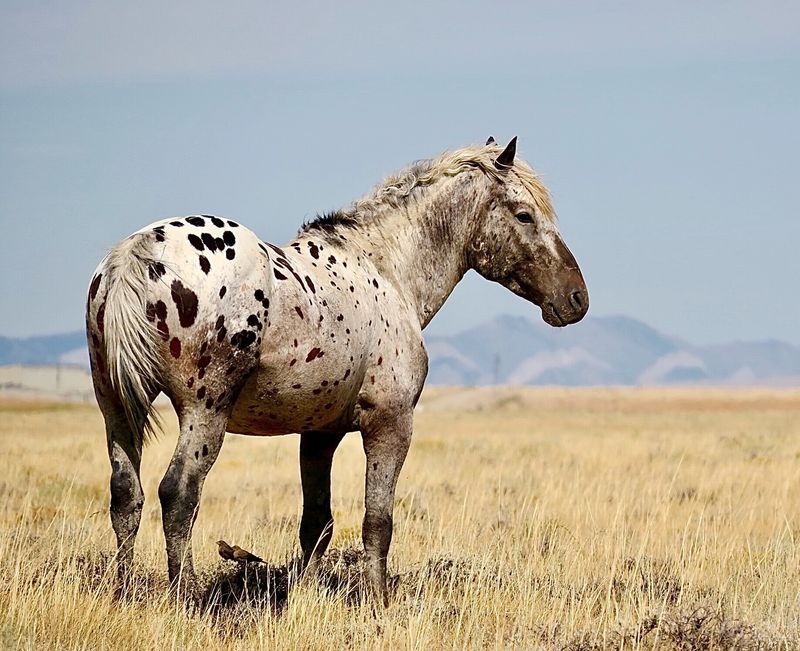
(521, 351)
(601, 351)
(69, 348)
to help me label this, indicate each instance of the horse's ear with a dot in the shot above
(506, 159)
(491, 140)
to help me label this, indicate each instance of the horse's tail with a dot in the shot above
(135, 366)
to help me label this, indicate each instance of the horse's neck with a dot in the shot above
(421, 247)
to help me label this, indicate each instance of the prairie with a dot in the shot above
(525, 518)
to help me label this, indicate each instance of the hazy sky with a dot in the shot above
(669, 134)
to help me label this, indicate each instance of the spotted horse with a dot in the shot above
(319, 337)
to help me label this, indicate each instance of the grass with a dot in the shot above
(560, 519)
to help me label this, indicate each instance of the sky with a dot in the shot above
(668, 134)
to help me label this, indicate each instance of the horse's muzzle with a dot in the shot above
(569, 309)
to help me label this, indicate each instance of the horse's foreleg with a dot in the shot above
(127, 498)
(386, 439)
(199, 443)
(316, 526)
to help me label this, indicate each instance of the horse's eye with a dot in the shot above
(525, 217)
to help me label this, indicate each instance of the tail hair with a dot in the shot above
(131, 341)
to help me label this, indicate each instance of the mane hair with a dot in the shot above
(329, 221)
(397, 189)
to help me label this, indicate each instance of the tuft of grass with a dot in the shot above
(560, 519)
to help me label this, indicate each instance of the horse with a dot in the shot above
(320, 337)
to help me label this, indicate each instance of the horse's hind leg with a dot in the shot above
(127, 498)
(316, 526)
(201, 434)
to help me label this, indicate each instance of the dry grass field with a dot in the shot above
(574, 519)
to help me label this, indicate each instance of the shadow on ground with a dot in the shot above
(265, 586)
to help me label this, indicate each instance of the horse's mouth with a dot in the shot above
(551, 316)
(566, 313)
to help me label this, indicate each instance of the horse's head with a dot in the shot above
(517, 243)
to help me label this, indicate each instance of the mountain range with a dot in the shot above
(520, 351)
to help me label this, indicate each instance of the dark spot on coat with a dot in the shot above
(220, 322)
(159, 231)
(201, 393)
(259, 295)
(312, 354)
(219, 224)
(209, 241)
(156, 270)
(375, 283)
(233, 224)
(209, 403)
(161, 310)
(196, 242)
(163, 328)
(221, 334)
(194, 220)
(205, 265)
(277, 250)
(340, 317)
(222, 291)
(380, 361)
(243, 339)
(178, 224)
(190, 383)
(331, 259)
(278, 274)
(313, 249)
(205, 450)
(230, 254)
(299, 311)
(229, 238)
(253, 321)
(297, 386)
(186, 302)
(346, 374)
(175, 347)
(293, 362)
(204, 361)
(310, 285)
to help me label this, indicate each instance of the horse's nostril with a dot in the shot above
(576, 300)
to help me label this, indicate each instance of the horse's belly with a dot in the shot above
(271, 403)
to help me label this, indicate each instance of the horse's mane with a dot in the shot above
(398, 188)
